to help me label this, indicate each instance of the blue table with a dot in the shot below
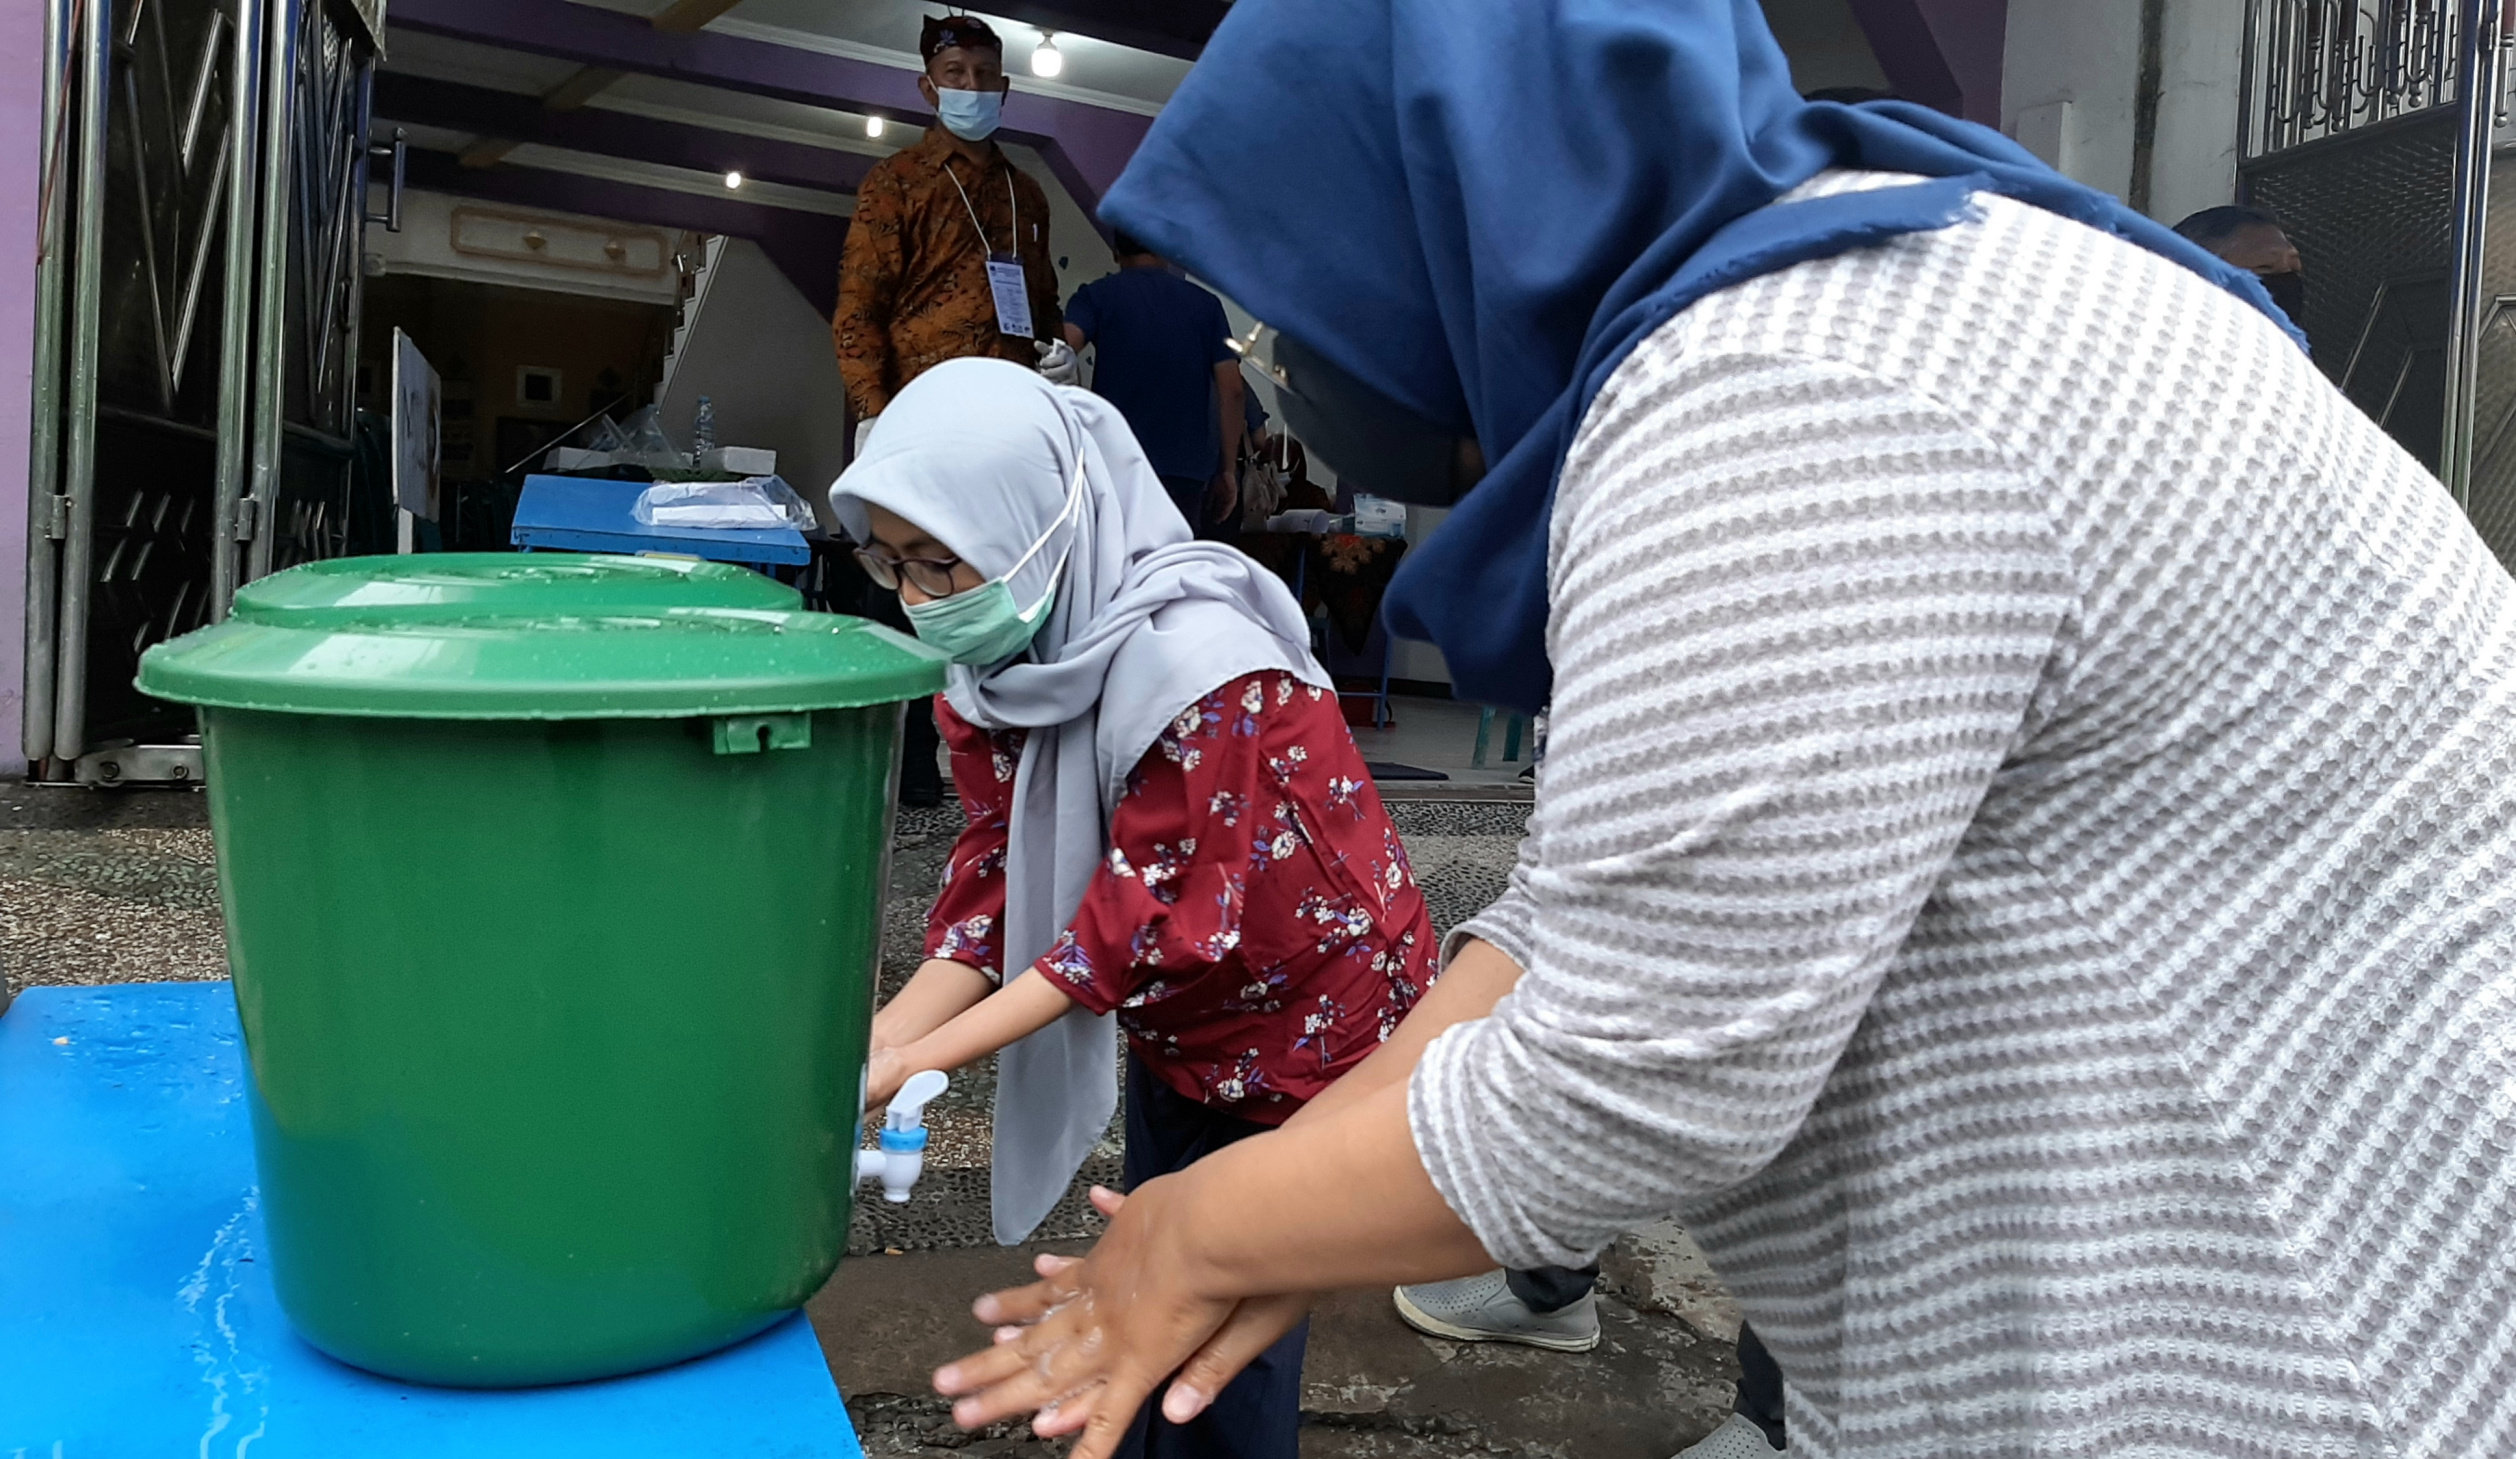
(585, 514)
(137, 1316)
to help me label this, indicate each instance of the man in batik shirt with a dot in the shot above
(947, 255)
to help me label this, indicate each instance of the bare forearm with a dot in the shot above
(1230, 393)
(938, 992)
(1468, 989)
(1016, 1011)
(1341, 1201)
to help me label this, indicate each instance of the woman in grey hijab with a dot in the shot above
(1168, 819)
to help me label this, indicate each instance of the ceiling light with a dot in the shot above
(873, 126)
(1046, 59)
(733, 179)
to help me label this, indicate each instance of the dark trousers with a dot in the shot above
(1259, 1413)
(1553, 1288)
(1759, 1385)
(1188, 493)
(921, 776)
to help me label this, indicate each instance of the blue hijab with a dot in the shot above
(1480, 207)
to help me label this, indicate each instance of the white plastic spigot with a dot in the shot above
(902, 1156)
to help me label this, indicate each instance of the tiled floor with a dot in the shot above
(1440, 734)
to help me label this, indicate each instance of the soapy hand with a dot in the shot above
(1059, 364)
(887, 1070)
(1083, 1348)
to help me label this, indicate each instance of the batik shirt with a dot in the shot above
(1255, 928)
(913, 287)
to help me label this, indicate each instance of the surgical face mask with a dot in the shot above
(1373, 443)
(2289, 292)
(970, 115)
(982, 627)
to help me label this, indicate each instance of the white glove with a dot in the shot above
(864, 431)
(1059, 364)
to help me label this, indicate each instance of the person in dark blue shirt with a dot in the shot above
(1164, 362)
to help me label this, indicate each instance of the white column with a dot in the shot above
(2068, 86)
(2197, 110)
(2071, 96)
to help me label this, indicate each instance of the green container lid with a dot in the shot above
(596, 664)
(466, 584)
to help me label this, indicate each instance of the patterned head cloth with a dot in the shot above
(942, 32)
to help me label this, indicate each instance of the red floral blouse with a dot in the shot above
(1256, 927)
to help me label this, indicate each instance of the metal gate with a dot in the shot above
(202, 219)
(2370, 126)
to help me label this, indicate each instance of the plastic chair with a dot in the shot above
(1513, 727)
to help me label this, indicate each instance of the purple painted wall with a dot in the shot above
(21, 112)
(1942, 53)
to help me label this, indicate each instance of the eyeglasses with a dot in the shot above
(929, 575)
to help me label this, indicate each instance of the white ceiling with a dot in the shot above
(1826, 46)
(885, 32)
(441, 59)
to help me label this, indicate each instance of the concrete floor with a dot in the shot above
(1440, 734)
(104, 887)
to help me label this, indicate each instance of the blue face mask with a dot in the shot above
(982, 627)
(970, 115)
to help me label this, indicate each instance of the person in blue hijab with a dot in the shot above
(1503, 201)
(1926, 563)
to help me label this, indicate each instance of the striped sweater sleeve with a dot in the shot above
(1799, 617)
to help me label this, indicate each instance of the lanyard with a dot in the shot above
(1011, 202)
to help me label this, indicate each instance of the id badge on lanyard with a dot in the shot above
(1013, 295)
(1005, 279)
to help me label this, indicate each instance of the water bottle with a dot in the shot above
(703, 432)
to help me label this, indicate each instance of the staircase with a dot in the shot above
(694, 297)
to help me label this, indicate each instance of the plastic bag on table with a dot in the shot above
(755, 502)
(643, 432)
(1379, 517)
(602, 434)
(1310, 520)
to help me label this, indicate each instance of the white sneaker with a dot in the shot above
(1740, 1438)
(1483, 1309)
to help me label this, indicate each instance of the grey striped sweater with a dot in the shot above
(2023, 869)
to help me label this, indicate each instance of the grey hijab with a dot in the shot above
(983, 455)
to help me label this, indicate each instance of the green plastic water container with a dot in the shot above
(463, 584)
(553, 935)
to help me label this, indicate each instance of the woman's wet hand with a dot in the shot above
(885, 1072)
(1082, 1348)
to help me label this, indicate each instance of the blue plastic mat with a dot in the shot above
(137, 1315)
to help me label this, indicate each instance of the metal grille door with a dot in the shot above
(2373, 212)
(2368, 126)
(197, 286)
